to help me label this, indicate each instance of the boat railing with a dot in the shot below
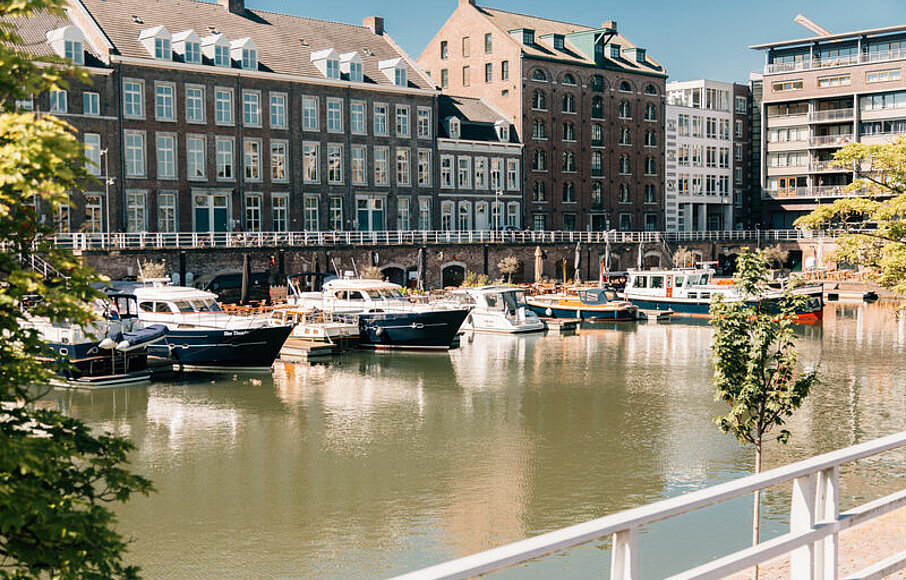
(811, 542)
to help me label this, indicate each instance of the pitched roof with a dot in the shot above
(507, 21)
(33, 32)
(477, 117)
(284, 42)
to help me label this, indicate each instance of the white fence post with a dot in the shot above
(827, 509)
(802, 519)
(624, 555)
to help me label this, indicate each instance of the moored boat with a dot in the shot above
(501, 309)
(601, 304)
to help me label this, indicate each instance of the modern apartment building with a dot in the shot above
(479, 176)
(219, 118)
(707, 136)
(587, 104)
(819, 94)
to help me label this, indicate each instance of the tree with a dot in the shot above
(873, 220)
(755, 363)
(57, 478)
(776, 256)
(509, 266)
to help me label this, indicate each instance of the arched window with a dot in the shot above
(624, 193)
(650, 193)
(538, 192)
(569, 162)
(569, 103)
(597, 135)
(539, 101)
(650, 166)
(625, 136)
(625, 168)
(539, 161)
(569, 79)
(597, 164)
(465, 215)
(650, 112)
(650, 139)
(650, 89)
(538, 75)
(625, 87)
(597, 107)
(597, 83)
(597, 195)
(539, 129)
(569, 132)
(625, 110)
(569, 192)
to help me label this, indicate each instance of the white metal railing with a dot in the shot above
(195, 240)
(823, 140)
(808, 64)
(812, 541)
(818, 165)
(831, 115)
(816, 191)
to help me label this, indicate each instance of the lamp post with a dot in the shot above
(497, 217)
(108, 181)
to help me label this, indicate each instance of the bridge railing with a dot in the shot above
(196, 240)
(812, 541)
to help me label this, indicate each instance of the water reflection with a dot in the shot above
(372, 464)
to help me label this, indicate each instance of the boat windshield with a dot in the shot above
(205, 306)
(184, 306)
(705, 279)
(392, 294)
(511, 300)
(611, 295)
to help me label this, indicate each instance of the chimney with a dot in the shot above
(375, 23)
(609, 24)
(234, 6)
(467, 2)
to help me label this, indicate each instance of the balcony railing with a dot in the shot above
(807, 64)
(821, 166)
(831, 115)
(830, 140)
(814, 192)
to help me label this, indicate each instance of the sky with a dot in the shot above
(693, 38)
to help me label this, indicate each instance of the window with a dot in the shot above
(481, 173)
(682, 157)
(724, 162)
(166, 212)
(402, 121)
(597, 83)
(334, 116)
(505, 70)
(538, 75)
(465, 76)
(446, 215)
(650, 222)
(512, 174)
(192, 53)
(833, 81)
(625, 167)
(253, 213)
(625, 222)
(403, 173)
(569, 162)
(423, 123)
(569, 103)
(58, 102)
(381, 160)
(597, 135)
(597, 164)
(311, 213)
(738, 152)
(252, 159)
(357, 161)
(249, 59)
(464, 172)
(790, 85)
(539, 222)
(539, 101)
(650, 139)
(465, 46)
(424, 213)
(135, 153)
(424, 168)
(697, 126)
(279, 212)
(625, 136)
(355, 74)
(133, 97)
(741, 105)
(465, 216)
(539, 160)
(539, 129)
(92, 145)
(223, 106)
(488, 43)
(650, 112)
(357, 117)
(625, 196)
(625, 111)
(711, 128)
(163, 101)
(597, 196)
(651, 165)
(738, 129)
(710, 156)
(380, 119)
(446, 171)
(489, 72)
(162, 49)
(166, 156)
(539, 192)
(309, 113)
(403, 214)
(251, 108)
(725, 129)
(91, 104)
(444, 78)
(569, 192)
(222, 56)
(625, 87)
(738, 176)
(195, 158)
(73, 50)
(311, 163)
(225, 159)
(334, 163)
(697, 155)
(496, 174)
(882, 76)
(278, 110)
(335, 213)
(135, 212)
(195, 104)
(278, 161)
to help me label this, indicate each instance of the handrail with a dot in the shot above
(814, 477)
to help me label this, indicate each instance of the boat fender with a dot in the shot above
(64, 352)
(107, 344)
(379, 331)
(549, 312)
(124, 345)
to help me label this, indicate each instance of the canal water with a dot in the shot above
(376, 464)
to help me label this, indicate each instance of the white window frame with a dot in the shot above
(359, 157)
(463, 172)
(512, 171)
(310, 120)
(137, 171)
(59, 102)
(247, 157)
(129, 110)
(423, 123)
(315, 147)
(402, 121)
(278, 143)
(425, 169)
(385, 127)
(334, 113)
(167, 216)
(252, 212)
(338, 178)
(403, 165)
(202, 105)
(91, 104)
(381, 160)
(277, 102)
(160, 105)
(251, 108)
(447, 172)
(221, 155)
(280, 212)
(136, 210)
(174, 166)
(231, 110)
(359, 127)
(191, 165)
(92, 146)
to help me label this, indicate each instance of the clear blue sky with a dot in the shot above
(692, 38)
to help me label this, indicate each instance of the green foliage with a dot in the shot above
(509, 266)
(56, 477)
(474, 279)
(776, 256)
(874, 226)
(755, 359)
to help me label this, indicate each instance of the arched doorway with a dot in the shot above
(651, 261)
(452, 274)
(395, 274)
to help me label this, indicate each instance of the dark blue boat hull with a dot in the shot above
(433, 330)
(228, 349)
(579, 314)
(812, 310)
(88, 361)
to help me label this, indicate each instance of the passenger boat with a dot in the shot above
(316, 326)
(496, 309)
(110, 352)
(386, 318)
(600, 304)
(201, 336)
(689, 291)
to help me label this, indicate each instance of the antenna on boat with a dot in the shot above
(335, 269)
(354, 268)
(141, 274)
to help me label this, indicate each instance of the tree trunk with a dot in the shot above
(756, 512)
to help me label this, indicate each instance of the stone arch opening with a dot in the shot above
(452, 274)
(394, 273)
(651, 260)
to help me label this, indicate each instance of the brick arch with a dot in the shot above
(620, 85)
(542, 70)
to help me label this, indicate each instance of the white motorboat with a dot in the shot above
(497, 309)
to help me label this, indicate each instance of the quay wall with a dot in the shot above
(442, 263)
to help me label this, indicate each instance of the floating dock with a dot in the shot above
(657, 315)
(560, 324)
(302, 350)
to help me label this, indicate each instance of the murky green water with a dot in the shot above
(382, 463)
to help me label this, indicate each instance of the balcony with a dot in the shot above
(778, 68)
(817, 166)
(830, 140)
(814, 192)
(831, 115)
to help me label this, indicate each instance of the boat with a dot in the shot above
(496, 309)
(595, 304)
(201, 336)
(109, 352)
(386, 318)
(688, 292)
(316, 326)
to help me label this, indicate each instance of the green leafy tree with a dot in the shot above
(755, 362)
(57, 478)
(873, 220)
(509, 266)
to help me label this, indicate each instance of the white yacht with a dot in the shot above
(497, 309)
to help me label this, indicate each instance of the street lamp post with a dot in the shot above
(108, 181)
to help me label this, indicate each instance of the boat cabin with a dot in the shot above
(491, 298)
(168, 301)
(690, 282)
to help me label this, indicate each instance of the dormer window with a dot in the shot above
(245, 51)
(614, 51)
(188, 45)
(217, 48)
(69, 43)
(351, 66)
(328, 62)
(454, 127)
(559, 42)
(395, 70)
(503, 131)
(528, 37)
(157, 41)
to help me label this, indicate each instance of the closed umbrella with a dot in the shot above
(421, 268)
(539, 264)
(577, 275)
(246, 279)
(640, 256)
(607, 258)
